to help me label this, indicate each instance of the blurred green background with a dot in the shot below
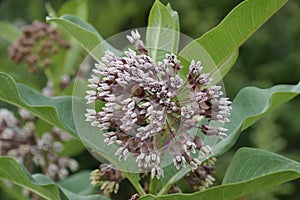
(271, 56)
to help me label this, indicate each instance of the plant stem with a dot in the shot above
(153, 185)
(180, 173)
(135, 184)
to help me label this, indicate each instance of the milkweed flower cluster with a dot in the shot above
(18, 139)
(36, 45)
(150, 110)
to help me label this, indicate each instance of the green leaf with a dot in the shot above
(250, 170)
(70, 194)
(12, 171)
(80, 9)
(250, 105)
(249, 164)
(75, 7)
(72, 148)
(78, 183)
(225, 39)
(163, 31)
(85, 34)
(9, 32)
(42, 179)
(10, 191)
(56, 111)
(74, 196)
(224, 68)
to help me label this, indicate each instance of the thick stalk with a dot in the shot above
(153, 185)
(135, 184)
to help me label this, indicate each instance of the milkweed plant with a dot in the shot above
(147, 105)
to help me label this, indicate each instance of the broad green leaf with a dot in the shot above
(250, 105)
(225, 39)
(224, 68)
(42, 179)
(250, 170)
(75, 7)
(9, 32)
(74, 196)
(72, 148)
(56, 111)
(85, 34)
(12, 171)
(250, 163)
(11, 191)
(78, 183)
(163, 31)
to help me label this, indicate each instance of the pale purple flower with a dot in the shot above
(176, 82)
(187, 111)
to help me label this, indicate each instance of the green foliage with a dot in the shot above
(55, 111)
(163, 31)
(84, 33)
(78, 8)
(9, 32)
(78, 183)
(222, 42)
(250, 170)
(15, 173)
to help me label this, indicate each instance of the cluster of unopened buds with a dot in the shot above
(108, 177)
(202, 177)
(36, 45)
(151, 111)
(18, 139)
